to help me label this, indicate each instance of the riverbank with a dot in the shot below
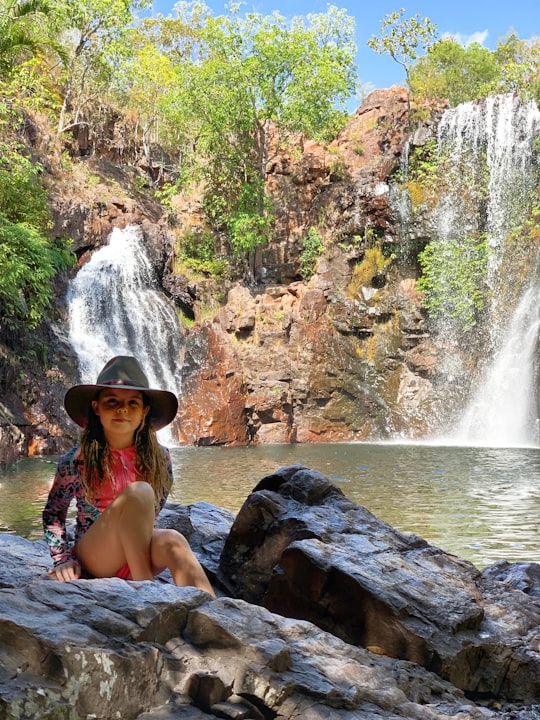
(381, 624)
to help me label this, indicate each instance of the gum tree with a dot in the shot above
(93, 33)
(405, 40)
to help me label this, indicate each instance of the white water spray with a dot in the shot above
(496, 137)
(493, 136)
(115, 309)
(503, 411)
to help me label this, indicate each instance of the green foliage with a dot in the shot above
(28, 263)
(455, 72)
(23, 198)
(453, 279)
(25, 33)
(247, 231)
(519, 64)
(536, 148)
(244, 87)
(312, 248)
(197, 253)
(404, 40)
(423, 163)
(461, 74)
(165, 195)
(94, 32)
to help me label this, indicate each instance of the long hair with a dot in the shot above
(96, 456)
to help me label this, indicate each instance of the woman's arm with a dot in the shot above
(63, 490)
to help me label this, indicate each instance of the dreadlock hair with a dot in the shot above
(96, 456)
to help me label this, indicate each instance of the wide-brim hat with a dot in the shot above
(122, 372)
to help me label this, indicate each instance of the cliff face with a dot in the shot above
(343, 356)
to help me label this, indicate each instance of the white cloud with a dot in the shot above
(465, 40)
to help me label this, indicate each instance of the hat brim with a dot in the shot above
(163, 404)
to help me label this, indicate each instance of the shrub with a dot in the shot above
(312, 247)
(28, 263)
(197, 253)
(453, 279)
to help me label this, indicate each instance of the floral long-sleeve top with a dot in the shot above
(67, 486)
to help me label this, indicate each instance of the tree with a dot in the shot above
(519, 64)
(404, 41)
(23, 32)
(252, 82)
(93, 31)
(457, 73)
(461, 73)
(148, 85)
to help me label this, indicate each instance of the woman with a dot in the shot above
(120, 478)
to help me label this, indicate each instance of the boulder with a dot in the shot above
(300, 548)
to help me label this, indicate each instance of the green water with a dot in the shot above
(480, 503)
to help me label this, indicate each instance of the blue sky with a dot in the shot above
(484, 21)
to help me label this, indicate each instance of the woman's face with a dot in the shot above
(121, 412)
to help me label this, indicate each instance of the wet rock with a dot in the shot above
(523, 576)
(302, 549)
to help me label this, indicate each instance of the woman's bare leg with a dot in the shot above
(122, 534)
(170, 549)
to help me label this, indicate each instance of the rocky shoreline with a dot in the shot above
(323, 612)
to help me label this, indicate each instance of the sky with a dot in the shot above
(483, 21)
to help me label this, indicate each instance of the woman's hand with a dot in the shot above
(69, 570)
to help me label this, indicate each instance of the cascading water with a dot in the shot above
(492, 191)
(115, 309)
(493, 137)
(503, 411)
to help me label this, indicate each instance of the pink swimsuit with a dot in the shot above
(124, 474)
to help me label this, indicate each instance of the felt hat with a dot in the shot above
(122, 372)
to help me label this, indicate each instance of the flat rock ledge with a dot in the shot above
(323, 612)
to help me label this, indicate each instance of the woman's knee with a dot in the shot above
(139, 491)
(169, 546)
(169, 540)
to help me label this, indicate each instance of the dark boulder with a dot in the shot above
(299, 547)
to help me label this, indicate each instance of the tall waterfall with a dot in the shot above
(495, 138)
(503, 411)
(115, 309)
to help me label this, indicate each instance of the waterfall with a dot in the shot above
(115, 309)
(493, 185)
(503, 411)
(493, 136)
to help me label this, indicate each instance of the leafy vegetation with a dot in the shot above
(312, 248)
(28, 259)
(444, 68)
(249, 84)
(209, 100)
(461, 74)
(197, 253)
(28, 264)
(453, 279)
(404, 40)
